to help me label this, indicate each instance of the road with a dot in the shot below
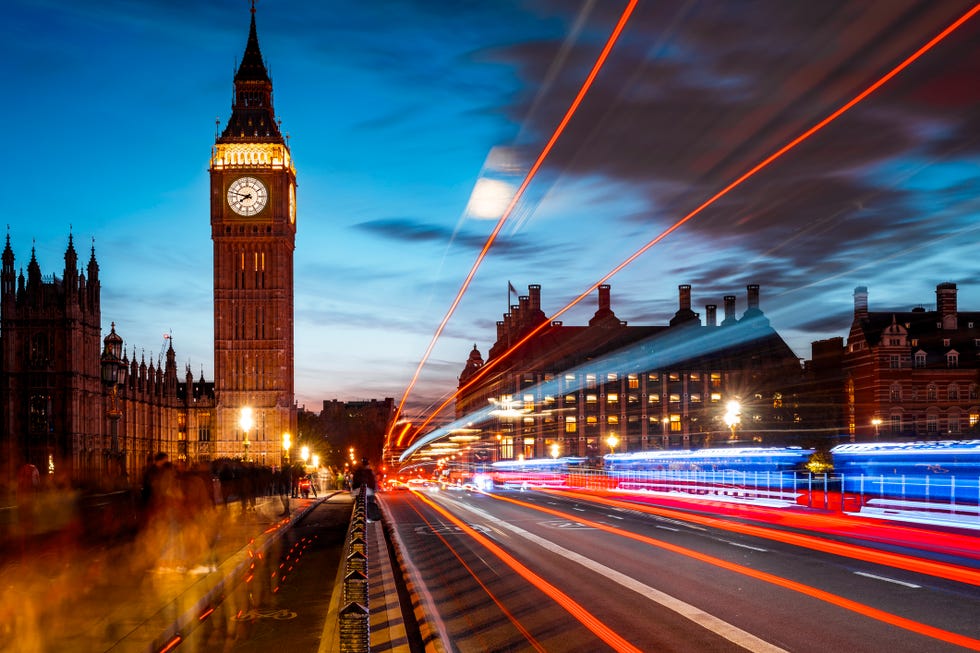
(555, 572)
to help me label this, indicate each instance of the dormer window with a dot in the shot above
(920, 359)
(952, 359)
(945, 342)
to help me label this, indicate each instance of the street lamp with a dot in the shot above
(245, 421)
(287, 442)
(304, 453)
(612, 441)
(732, 416)
(114, 376)
(876, 422)
(555, 449)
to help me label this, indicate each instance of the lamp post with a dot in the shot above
(113, 376)
(287, 442)
(555, 449)
(732, 416)
(876, 422)
(612, 441)
(245, 421)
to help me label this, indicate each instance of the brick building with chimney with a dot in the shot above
(912, 374)
(586, 390)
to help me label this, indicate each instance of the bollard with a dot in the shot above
(356, 561)
(356, 588)
(355, 629)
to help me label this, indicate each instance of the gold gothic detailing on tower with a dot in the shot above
(253, 228)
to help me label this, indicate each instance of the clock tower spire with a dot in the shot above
(253, 228)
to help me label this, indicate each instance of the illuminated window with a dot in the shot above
(569, 399)
(673, 376)
(675, 423)
(590, 380)
(974, 418)
(612, 398)
(612, 419)
(529, 402)
(632, 398)
(591, 420)
(716, 379)
(571, 425)
(633, 381)
(549, 400)
(569, 378)
(695, 397)
(528, 421)
(612, 376)
(777, 400)
(653, 399)
(653, 376)
(694, 376)
(675, 397)
(591, 399)
(715, 397)
(507, 448)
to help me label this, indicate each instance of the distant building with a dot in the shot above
(912, 374)
(358, 424)
(587, 390)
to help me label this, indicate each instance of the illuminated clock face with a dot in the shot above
(247, 196)
(292, 202)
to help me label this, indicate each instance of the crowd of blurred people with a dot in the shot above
(170, 511)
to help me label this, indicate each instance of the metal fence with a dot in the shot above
(940, 497)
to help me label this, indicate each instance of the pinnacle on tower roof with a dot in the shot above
(252, 118)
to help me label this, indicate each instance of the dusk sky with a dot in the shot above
(409, 120)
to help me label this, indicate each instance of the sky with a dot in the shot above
(411, 124)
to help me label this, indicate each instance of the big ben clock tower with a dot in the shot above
(253, 226)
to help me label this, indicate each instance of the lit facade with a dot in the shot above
(588, 390)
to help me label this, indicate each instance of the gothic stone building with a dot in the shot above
(77, 406)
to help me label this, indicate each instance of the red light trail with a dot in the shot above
(481, 374)
(586, 85)
(828, 597)
(585, 617)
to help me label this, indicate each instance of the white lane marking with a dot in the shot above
(707, 621)
(577, 508)
(616, 516)
(668, 528)
(746, 546)
(889, 580)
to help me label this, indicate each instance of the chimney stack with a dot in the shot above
(684, 296)
(604, 302)
(729, 310)
(946, 305)
(709, 314)
(753, 296)
(861, 302)
(534, 291)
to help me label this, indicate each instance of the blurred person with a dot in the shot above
(364, 476)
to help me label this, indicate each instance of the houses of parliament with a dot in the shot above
(88, 408)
